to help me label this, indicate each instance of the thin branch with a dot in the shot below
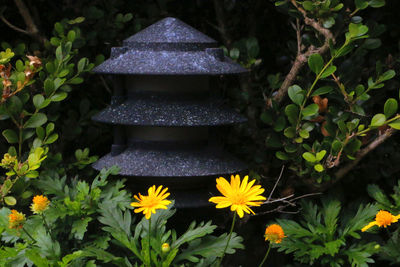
(105, 84)
(9, 24)
(311, 22)
(276, 183)
(298, 36)
(287, 202)
(301, 58)
(342, 172)
(31, 28)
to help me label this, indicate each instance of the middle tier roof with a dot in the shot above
(155, 110)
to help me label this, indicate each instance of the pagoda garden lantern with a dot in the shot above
(164, 115)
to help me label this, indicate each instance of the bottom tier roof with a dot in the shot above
(178, 163)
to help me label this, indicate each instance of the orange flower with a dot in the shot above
(274, 233)
(40, 204)
(238, 195)
(156, 199)
(383, 218)
(16, 219)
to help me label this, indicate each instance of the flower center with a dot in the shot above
(238, 199)
(384, 218)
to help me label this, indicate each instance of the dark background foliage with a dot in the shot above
(259, 31)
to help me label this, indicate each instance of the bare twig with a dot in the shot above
(105, 84)
(342, 172)
(31, 28)
(276, 183)
(220, 16)
(15, 28)
(288, 202)
(301, 58)
(298, 36)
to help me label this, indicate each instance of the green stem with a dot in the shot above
(46, 225)
(354, 12)
(369, 128)
(311, 89)
(229, 239)
(149, 242)
(20, 142)
(28, 234)
(316, 80)
(266, 255)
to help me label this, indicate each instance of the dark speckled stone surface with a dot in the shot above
(152, 110)
(171, 163)
(169, 30)
(169, 47)
(165, 138)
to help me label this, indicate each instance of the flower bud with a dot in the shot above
(165, 247)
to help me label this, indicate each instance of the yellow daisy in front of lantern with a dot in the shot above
(238, 195)
(156, 199)
(383, 218)
(274, 233)
(39, 204)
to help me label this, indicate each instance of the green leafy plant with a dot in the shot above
(328, 236)
(196, 246)
(68, 223)
(389, 249)
(29, 86)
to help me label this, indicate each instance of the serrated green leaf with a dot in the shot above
(79, 227)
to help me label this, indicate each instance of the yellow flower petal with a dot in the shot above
(156, 199)
(238, 195)
(365, 228)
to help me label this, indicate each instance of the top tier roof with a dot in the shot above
(170, 30)
(169, 47)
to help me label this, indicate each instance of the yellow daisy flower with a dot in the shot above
(239, 196)
(40, 204)
(16, 219)
(383, 218)
(156, 199)
(274, 233)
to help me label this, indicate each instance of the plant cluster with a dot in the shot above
(321, 99)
